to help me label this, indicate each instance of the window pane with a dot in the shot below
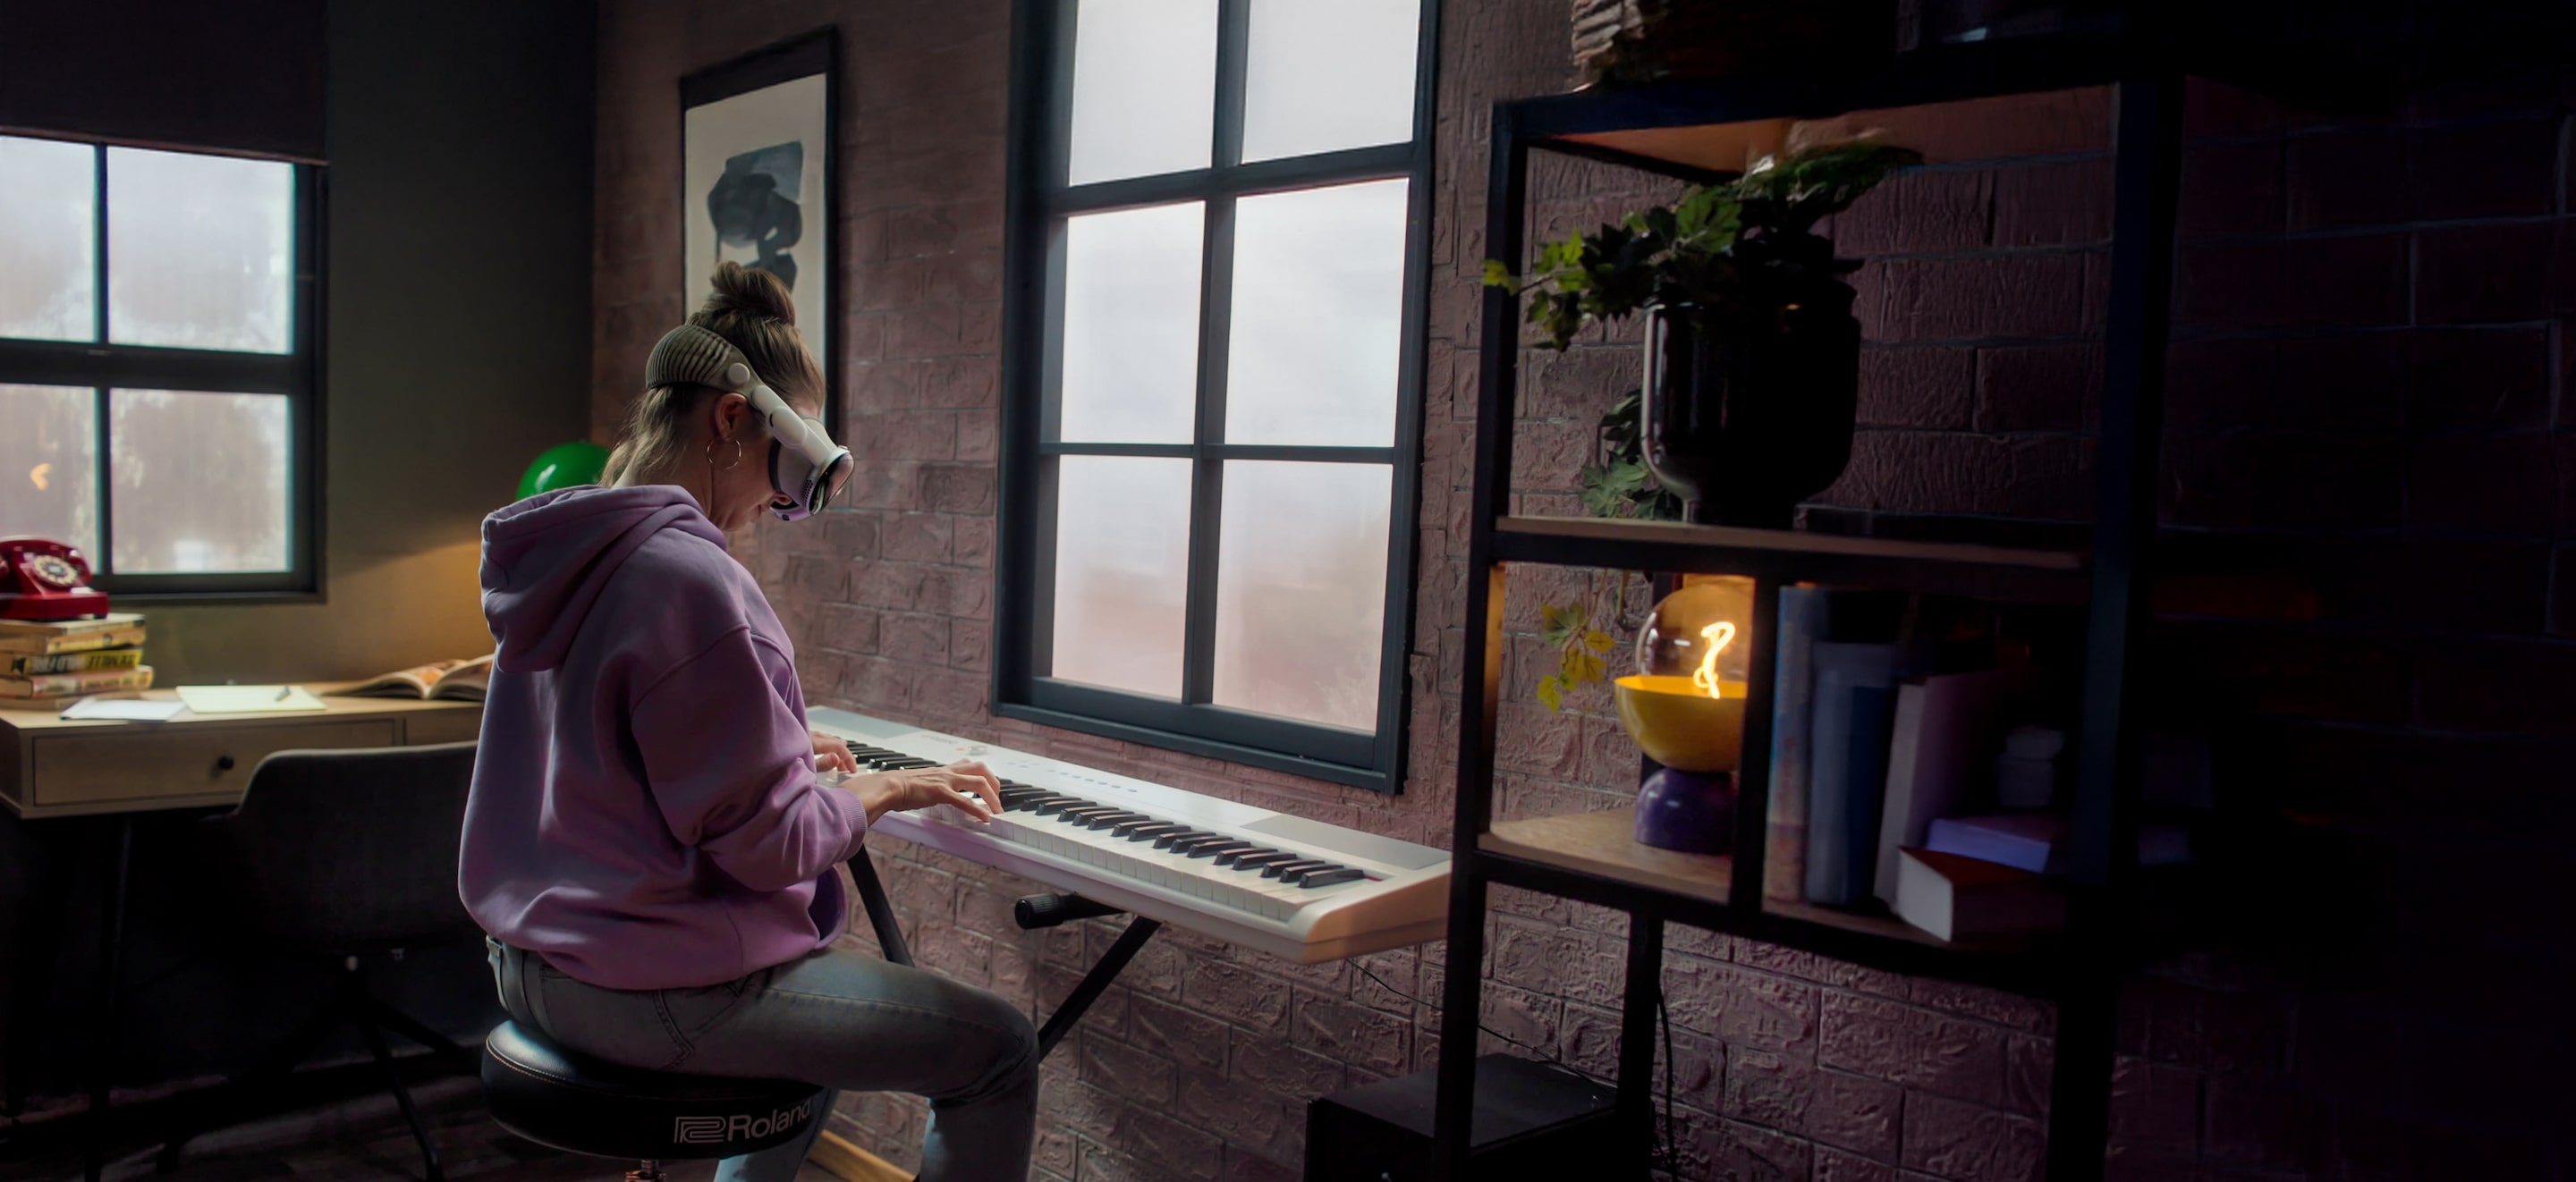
(1122, 549)
(1301, 590)
(200, 251)
(1144, 88)
(1318, 316)
(48, 464)
(200, 481)
(1323, 75)
(48, 240)
(1131, 324)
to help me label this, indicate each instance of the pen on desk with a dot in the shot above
(283, 691)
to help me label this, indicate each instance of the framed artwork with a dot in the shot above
(757, 183)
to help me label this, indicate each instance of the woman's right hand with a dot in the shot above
(967, 785)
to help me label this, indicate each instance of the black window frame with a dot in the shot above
(296, 374)
(1039, 201)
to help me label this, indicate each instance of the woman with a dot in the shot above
(648, 843)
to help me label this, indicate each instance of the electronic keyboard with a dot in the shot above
(1288, 886)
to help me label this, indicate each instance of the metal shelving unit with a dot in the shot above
(1687, 131)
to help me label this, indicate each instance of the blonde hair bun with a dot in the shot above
(741, 290)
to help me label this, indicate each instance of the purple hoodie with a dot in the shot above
(645, 813)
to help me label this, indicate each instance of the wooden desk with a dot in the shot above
(54, 767)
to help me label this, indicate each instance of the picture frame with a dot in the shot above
(760, 185)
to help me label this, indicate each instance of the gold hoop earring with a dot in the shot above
(737, 456)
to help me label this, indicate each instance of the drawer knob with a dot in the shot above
(223, 763)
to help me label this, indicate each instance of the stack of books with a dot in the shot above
(1889, 764)
(52, 660)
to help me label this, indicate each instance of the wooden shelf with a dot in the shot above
(1942, 568)
(1604, 845)
(1888, 927)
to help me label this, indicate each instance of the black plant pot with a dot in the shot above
(1745, 420)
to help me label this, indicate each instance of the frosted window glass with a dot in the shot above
(1131, 324)
(200, 251)
(48, 240)
(1122, 549)
(48, 464)
(1144, 88)
(1323, 75)
(200, 481)
(1318, 316)
(1301, 590)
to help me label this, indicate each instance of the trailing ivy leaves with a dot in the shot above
(1620, 485)
(1743, 250)
(1579, 646)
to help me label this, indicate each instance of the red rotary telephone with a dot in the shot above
(45, 580)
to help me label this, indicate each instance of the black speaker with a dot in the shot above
(1533, 1121)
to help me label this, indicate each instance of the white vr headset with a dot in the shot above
(805, 466)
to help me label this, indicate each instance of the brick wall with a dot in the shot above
(2363, 477)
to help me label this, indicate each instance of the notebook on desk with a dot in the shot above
(248, 699)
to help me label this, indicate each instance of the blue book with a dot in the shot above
(1855, 713)
(1793, 692)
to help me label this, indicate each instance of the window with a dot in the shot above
(1211, 409)
(158, 364)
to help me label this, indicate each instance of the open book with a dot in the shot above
(466, 680)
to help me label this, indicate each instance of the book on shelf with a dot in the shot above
(462, 680)
(2036, 842)
(1959, 898)
(28, 665)
(63, 685)
(1946, 729)
(1855, 709)
(1793, 693)
(1809, 615)
(45, 638)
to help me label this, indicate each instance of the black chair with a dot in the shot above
(580, 1105)
(341, 856)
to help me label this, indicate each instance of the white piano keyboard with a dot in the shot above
(1280, 883)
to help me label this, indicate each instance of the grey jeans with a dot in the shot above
(841, 1019)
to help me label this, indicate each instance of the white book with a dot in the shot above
(1946, 729)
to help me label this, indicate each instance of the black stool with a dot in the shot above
(551, 1097)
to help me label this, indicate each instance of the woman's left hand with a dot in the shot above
(835, 754)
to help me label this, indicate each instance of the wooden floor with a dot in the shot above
(365, 1140)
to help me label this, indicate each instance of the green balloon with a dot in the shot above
(563, 466)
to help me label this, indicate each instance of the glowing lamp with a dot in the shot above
(1685, 708)
(1685, 704)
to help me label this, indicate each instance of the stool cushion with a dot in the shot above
(582, 1105)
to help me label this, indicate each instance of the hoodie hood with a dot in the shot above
(546, 559)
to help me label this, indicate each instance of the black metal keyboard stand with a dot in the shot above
(1036, 911)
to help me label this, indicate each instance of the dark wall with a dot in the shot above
(459, 141)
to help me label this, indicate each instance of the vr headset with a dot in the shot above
(805, 466)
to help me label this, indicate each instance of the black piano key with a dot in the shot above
(1213, 848)
(1164, 842)
(1294, 873)
(1257, 861)
(1059, 804)
(1082, 814)
(1325, 878)
(1154, 829)
(1275, 869)
(1117, 818)
(1128, 828)
(1227, 858)
(1187, 844)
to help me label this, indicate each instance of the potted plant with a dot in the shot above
(1752, 354)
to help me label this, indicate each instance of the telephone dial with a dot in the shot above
(45, 580)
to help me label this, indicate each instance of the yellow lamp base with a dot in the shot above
(1680, 727)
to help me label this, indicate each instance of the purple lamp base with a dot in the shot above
(1693, 812)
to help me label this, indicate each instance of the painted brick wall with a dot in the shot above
(2364, 479)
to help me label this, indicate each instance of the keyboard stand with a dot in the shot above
(1060, 909)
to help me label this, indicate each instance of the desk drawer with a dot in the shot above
(199, 761)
